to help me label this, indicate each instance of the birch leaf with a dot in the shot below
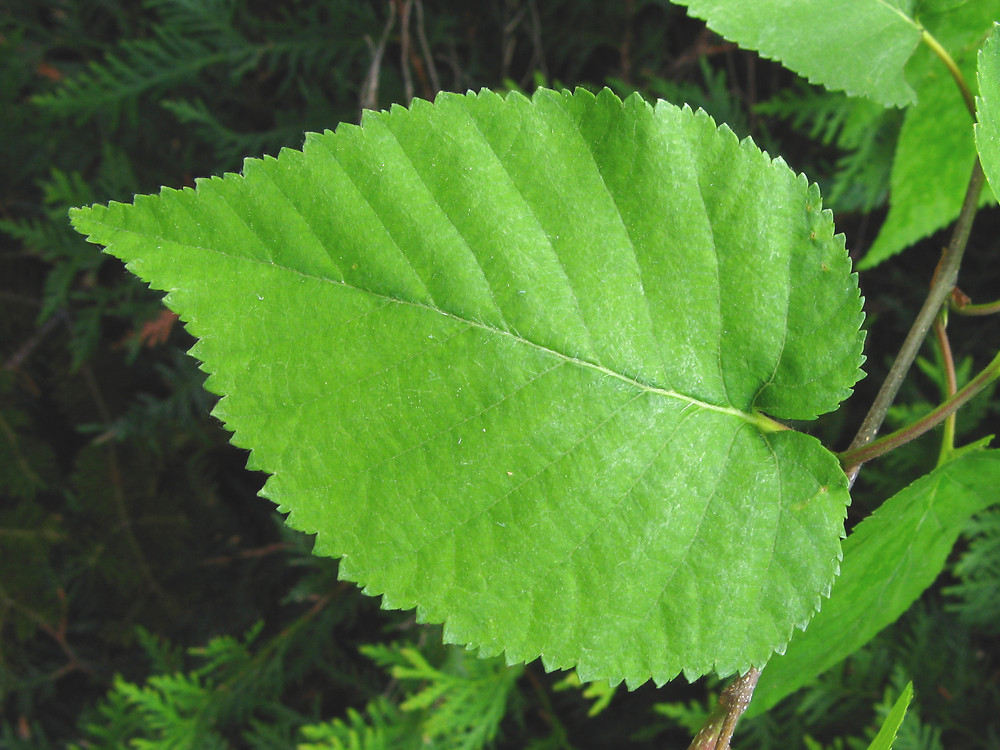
(510, 360)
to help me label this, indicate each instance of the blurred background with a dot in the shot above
(149, 598)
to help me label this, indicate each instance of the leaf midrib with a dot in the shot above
(757, 419)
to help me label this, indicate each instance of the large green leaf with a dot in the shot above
(988, 110)
(508, 359)
(935, 152)
(858, 46)
(889, 559)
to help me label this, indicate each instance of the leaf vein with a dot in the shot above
(634, 382)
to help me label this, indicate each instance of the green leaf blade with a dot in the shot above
(860, 46)
(936, 139)
(988, 109)
(506, 358)
(890, 727)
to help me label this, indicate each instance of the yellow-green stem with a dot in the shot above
(949, 62)
(987, 308)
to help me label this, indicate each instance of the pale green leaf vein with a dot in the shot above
(633, 382)
(436, 435)
(773, 536)
(628, 233)
(541, 229)
(437, 203)
(667, 439)
(912, 21)
(718, 275)
(378, 217)
(693, 537)
(293, 208)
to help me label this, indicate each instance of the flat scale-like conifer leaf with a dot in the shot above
(857, 46)
(508, 358)
(889, 560)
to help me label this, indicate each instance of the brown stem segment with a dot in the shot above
(941, 286)
(950, 383)
(717, 731)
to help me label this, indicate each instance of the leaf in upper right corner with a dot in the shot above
(988, 109)
(890, 727)
(860, 47)
(935, 151)
(889, 560)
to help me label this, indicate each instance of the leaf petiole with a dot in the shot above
(857, 456)
(765, 424)
(987, 308)
(956, 73)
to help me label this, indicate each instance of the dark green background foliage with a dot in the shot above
(147, 593)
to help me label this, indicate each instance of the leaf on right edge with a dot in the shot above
(890, 727)
(860, 47)
(988, 110)
(889, 559)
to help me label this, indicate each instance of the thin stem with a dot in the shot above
(987, 308)
(950, 384)
(858, 456)
(717, 731)
(941, 286)
(956, 73)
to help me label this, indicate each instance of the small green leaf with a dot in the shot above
(890, 727)
(988, 109)
(858, 46)
(509, 358)
(889, 559)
